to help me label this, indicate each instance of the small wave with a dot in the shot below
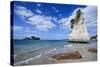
(50, 51)
(25, 61)
(33, 58)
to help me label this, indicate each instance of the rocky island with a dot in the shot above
(32, 38)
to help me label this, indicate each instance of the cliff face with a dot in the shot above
(79, 31)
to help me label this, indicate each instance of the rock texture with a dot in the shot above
(92, 50)
(70, 55)
(79, 31)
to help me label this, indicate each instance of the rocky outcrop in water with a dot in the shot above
(94, 37)
(32, 38)
(79, 31)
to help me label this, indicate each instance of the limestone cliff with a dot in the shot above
(79, 31)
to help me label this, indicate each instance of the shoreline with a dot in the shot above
(45, 59)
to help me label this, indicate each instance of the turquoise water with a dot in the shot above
(36, 44)
(25, 49)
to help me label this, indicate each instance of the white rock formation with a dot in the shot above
(79, 31)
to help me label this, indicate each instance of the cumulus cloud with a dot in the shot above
(38, 4)
(17, 28)
(65, 22)
(38, 11)
(90, 15)
(42, 23)
(23, 12)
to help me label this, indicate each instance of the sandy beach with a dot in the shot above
(45, 57)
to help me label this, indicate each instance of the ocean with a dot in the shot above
(27, 49)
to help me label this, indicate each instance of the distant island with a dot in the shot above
(32, 38)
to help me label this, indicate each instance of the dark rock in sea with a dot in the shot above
(78, 41)
(26, 39)
(36, 38)
(31, 38)
(70, 55)
(92, 50)
(94, 37)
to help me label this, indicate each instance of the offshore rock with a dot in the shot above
(79, 31)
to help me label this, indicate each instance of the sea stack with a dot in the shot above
(79, 31)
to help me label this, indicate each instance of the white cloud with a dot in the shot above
(23, 12)
(22, 29)
(65, 22)
(38, 11)
(42, 23)
(38, 4)
(54, 19)
(17, 28)
(90, 15)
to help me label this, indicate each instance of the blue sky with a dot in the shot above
(49, 21)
